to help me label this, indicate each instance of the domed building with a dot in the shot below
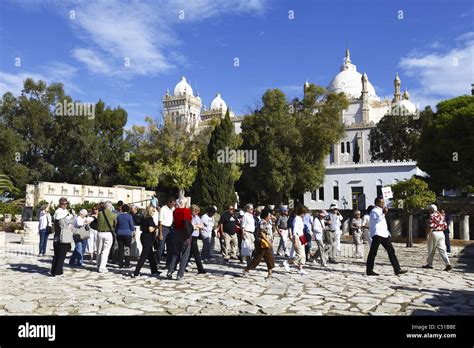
(185, 108)
(353, 179)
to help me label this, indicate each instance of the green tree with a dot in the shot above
(445, 148)
(413, 195)
(396, 137)
(292, 141)
(214, 183)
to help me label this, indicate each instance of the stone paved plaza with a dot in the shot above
(341, 289)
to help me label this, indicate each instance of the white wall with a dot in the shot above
(366, 176)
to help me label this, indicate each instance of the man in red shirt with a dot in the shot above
(436, 226)
(181, 240)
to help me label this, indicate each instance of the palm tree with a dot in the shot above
(7, 186)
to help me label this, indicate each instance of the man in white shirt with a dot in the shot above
(380, 235)
(248, 229)
(206, 232)
(165, 233)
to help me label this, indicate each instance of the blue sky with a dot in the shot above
(431, 47)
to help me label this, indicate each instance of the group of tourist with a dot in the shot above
(247, 235)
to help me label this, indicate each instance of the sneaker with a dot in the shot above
(286, 265)
(448, 268)
(202, 272)
(427, 266)
(132, 275)
(169, 276)
(402, 271)
(103, 270)
(180, 278)
(372, 273)
(277, 265)
(302, 272)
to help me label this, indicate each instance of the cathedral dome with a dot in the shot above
(348, 81)
(218, 103)
(183, 87)
(406, 107)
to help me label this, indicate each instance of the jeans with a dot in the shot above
(446, 238)
(60, 251)
(161, 244)
(283, 240)
(387, 244)
(206, 248)
(195, 253)
(181, 249)
(77, 257)
(124, 250)
(43, 241)
(147, 240)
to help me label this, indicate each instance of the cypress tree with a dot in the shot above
(214, 181)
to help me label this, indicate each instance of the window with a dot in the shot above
(335, 192)
(348, 147)
(342, 147)
(313, 195)
(379, 190)
(321, 193)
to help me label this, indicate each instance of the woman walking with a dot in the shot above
(45, 228)
(92, 241)
(124, 230)
(147, 238)
(263, 249)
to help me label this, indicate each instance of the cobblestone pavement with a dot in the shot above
(341, 289)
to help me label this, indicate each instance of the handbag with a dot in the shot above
(80, 234)
(303, 239)
(65, 231)
(264, 244)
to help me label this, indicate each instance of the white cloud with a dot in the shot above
(53, 72)
(441, 75)
(142, 32)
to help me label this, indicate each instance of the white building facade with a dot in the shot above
(352, 179)
(78, 194)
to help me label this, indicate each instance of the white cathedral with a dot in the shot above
(352, 179)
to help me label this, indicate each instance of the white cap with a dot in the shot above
(83, 212)
(434, 207)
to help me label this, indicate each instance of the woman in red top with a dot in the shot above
(181, 240)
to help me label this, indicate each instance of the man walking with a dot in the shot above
(336, 222)
(248, 229)
(228, 228)
(165, 231)
(318, 231)
(436, 240)
(380, 235)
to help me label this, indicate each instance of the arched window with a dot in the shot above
(342, 147)
(379, 188)
(335, 190)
